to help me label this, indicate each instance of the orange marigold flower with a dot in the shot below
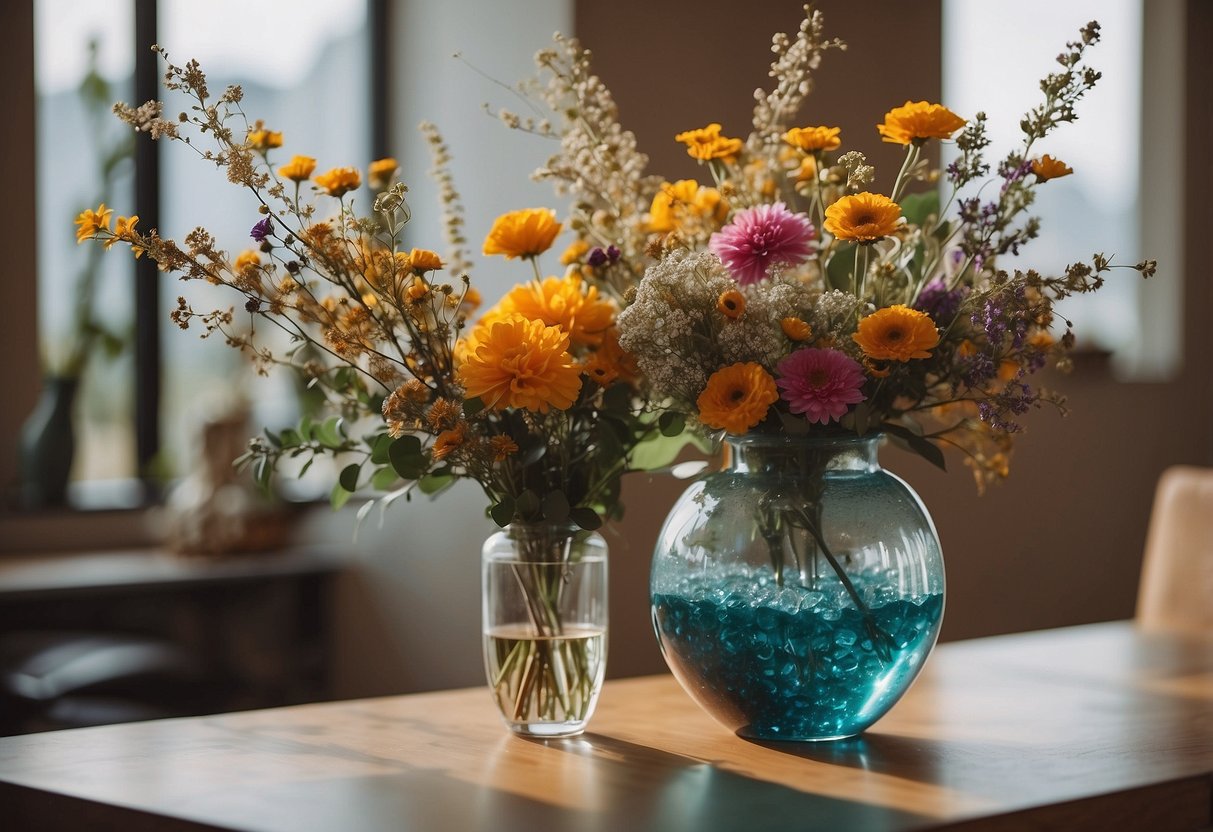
(424, 260)
(685, 201)
(611, 362)
(298, 169)
(417, 290)
(247, 258)
(89, 222)
(381, 171)
(706, 144)
(1046, 168)
(737, 397)
(521, 363)
(896, 333)
(806, 171)
(731, 304)
(339, 181)
(810, 139)
(916, 121)
(261, 139)
(573, 254)
(526, 233)
(863, 217)
(447, 442)
(796, 329)
(566, 302)
(503, 447)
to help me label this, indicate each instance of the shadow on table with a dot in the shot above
(650, 789)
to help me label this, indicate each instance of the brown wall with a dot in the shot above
(1059, 543)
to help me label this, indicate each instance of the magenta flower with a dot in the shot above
(821, 384)
(758, 238)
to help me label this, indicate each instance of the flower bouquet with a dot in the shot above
(536, 402)
(791, 307)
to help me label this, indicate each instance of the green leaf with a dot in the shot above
(338, 497)
(555, 507)
(379, 449)
(920, 445)
(407, 458)
(289, 438)
(349, 477)
(384, 478)
(527, 505)
(503, 512)
(330, 433)
(586, 518)
(672, 423)
(617, 398)
(532, 453)
(434, 483)
(472, 406)
(273, 437)
(794, 425)
(918, 208)
(841, 267)
(659, 451)
(306, 465)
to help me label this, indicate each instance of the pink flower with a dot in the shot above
(758, 238)
(821, 384)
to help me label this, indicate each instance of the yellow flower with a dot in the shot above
(261, 139)
(417, 290)
(896, 333)
(298, 169)
(796, 329)
(503, 446)
(706, 143)
(339, 181)
(381, 171)
(916, 121)
(521, 363)
(737, 397)
(526, 233)
(89, 222)
(124, 229)
(1046, 168)
(862, 217)
(573, 254)
(684, 201)
(424, 260)
(806, 171)
(810, 139)
(246, 259)
(447, 442)
(565, 302)
(731, 304)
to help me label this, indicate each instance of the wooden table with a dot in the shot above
(1097, 727)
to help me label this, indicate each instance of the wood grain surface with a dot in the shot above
(1095, 727)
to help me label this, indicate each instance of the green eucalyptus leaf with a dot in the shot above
(918, 208)
(503, 512)
(527, 505)
(338, 497)
(473, 406)
(434, 483)
(380, 446)
(384, 478)
(841, 267)
(348, 478)
(330, 433)
(672, 423)
(585, 518)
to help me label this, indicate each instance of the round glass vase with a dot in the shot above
(797, 592)
(545, 626)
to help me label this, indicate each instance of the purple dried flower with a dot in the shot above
(597, 258)
(262, 229)
(939, 302)
(613, 253)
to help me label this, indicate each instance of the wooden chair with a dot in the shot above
(1176, 591)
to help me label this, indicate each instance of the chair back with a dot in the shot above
(1176, 591)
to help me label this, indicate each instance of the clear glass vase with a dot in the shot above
(797, 592)
(545, 626)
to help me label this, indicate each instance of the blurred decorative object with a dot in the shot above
(48, 444)
(48, 440)
(216, 510)
(1176, 590)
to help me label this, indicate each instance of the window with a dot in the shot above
(1008, 47)
(302, 65)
